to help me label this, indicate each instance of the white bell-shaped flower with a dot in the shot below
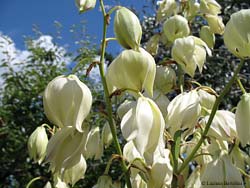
(161, 172)
(176, 27)
(132, 70)
(183, 112)
(165, 79)
(65, 149)
(190, 52)
(153, 44)
(221, 173)
(75, 173)
(192, 9)
(207, 36)
(94, 144)
(223, 126)
(67, 101)
(210, 7)
(237, 34)
(144, 125)
(127, 29)
(37, 144)
(215, 23)
(84, 5)
(242, 118)
(107, 137)
(166, 9)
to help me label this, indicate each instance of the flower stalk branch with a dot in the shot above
(211, 117)
(106, 93)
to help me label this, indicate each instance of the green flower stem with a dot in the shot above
(241, 86)
(113, 9)
(211, 117)
(33, 180)
(107, 99)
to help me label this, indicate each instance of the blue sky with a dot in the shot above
(18, 17)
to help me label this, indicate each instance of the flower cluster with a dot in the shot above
(162, 136)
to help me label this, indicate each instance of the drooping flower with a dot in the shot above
(127, 29)
(84, 5)
(76, 172)
(210, 7)
(161, 172)
(107, 137)
(207, 36)
(166, 9)
(123, 72)
(242, 119)
(67, 101)
(165, 79)
(215, 23)
(144, 125)
(183, 112)
(237, 34)
(94, 144)
(176, 27)
(190, 52)
(221, 170)
(153, 44)
(66, 149)
(223, 125)
(37, 144)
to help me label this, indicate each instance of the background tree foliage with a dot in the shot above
(21, 108)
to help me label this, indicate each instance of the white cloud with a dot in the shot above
(16, 58)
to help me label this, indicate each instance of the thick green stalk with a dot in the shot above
(211, 117)
(106, 93)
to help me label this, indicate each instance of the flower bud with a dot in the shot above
(240, 158)
(75, 173)
(144, 125)
(221, 170)
(107, 137)
(166, 9)
(215, 23)
(127, 29)
(176, 27)
(237, 32)
(210, 7)
(207, 36)
(153, 44)
(183, 112)
(242, 119)
(37, 144)
(165, 79)
(94, 145)
(190, 52)
(132, 70)
(84, 5)
(67, 101)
